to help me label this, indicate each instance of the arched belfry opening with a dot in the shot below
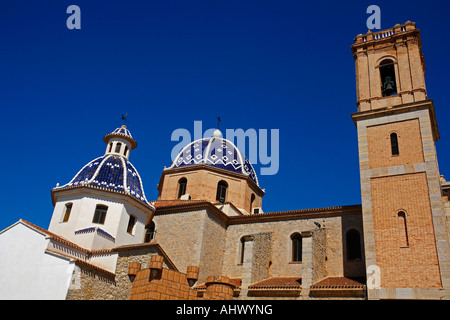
(388, 80)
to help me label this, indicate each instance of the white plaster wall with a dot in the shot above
(81, 217)
(137, 236)
(26, 271)
(105, 261)
(116, 221)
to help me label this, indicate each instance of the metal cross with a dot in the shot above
(218, 122)
(124, 118)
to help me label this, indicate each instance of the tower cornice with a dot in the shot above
(400, 32)
(402, 108)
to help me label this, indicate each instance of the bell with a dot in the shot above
(388, 86)
(388, 83)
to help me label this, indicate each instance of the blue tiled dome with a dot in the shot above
(216, 152)
(110, 172)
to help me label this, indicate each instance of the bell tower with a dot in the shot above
(405, 230)
(390, 68)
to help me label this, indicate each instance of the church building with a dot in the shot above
(207, 237)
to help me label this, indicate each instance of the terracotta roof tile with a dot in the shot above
(54, 236)
(167, 203)
(338, 283)
(82, 263)
(236, 282)
(278, 283)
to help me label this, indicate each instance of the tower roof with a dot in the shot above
(216, 152)
(121, 132)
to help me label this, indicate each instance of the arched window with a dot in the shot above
(353, 242)
(252, 202)
(110, 146)
(387, 74)
(118, 146)
(394, 144)
(150, 232)
(222, 187)
(131, 224)
(242, 249)
(100, 214)
(67, 212)
(403, 229)
(125, 151)
(182, 183)
(296, 240)
(243, 246)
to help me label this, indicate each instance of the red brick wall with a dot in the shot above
(202, 185)
(159, 283)
(415, 265)
(171, 285)
(409, 142)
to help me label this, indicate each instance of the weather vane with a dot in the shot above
(218, 122)
(124, 118)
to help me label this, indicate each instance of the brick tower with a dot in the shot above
(405, 230)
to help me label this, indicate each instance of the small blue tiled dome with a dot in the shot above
(216, 152)
(110, 172)
(113, 171)
(121, 132)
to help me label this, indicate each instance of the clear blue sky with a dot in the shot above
(283, 65)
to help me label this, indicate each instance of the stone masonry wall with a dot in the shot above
(181, 236)
(194, 238)
(89, 284)
(319, 244)
(281, 231)
(262, 256)
(213, 242)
